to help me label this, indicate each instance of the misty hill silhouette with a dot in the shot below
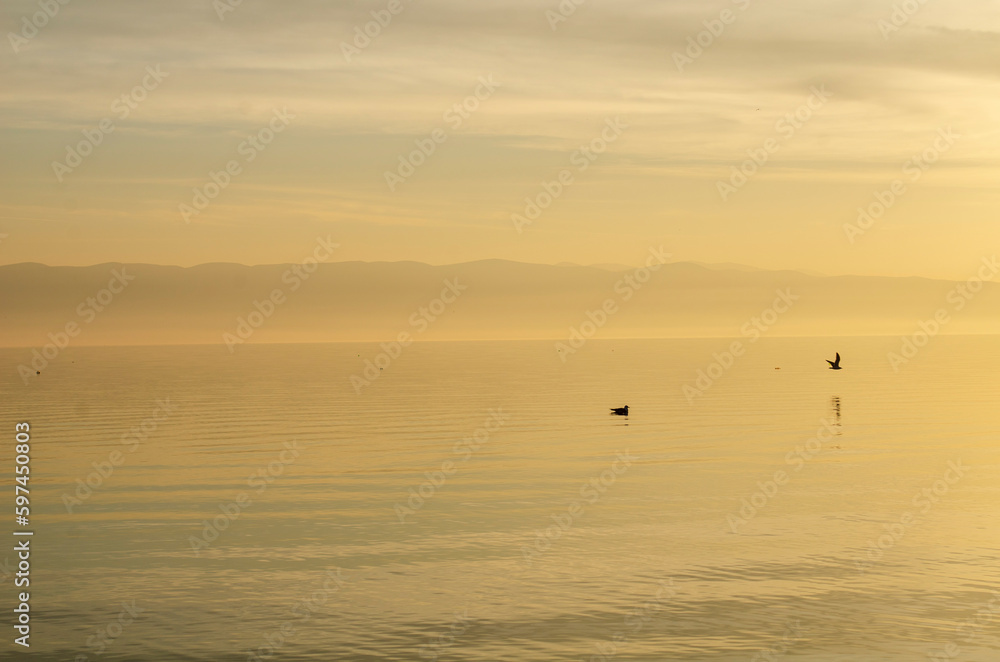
(357, 301)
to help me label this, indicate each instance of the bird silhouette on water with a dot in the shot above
(835, 365)
(620, 411)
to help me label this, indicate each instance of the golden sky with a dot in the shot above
(556, 80)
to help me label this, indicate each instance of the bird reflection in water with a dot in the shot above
(837, 430)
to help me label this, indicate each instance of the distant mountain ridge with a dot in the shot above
(497, 299)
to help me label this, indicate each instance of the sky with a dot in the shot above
(313, 122)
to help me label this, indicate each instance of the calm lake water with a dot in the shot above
(542, 527)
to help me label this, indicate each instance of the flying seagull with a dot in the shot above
(620, 411)
(834, 365)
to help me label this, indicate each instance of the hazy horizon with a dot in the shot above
(319, 301)
(615, 268)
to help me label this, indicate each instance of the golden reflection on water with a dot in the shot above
(474, 502)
